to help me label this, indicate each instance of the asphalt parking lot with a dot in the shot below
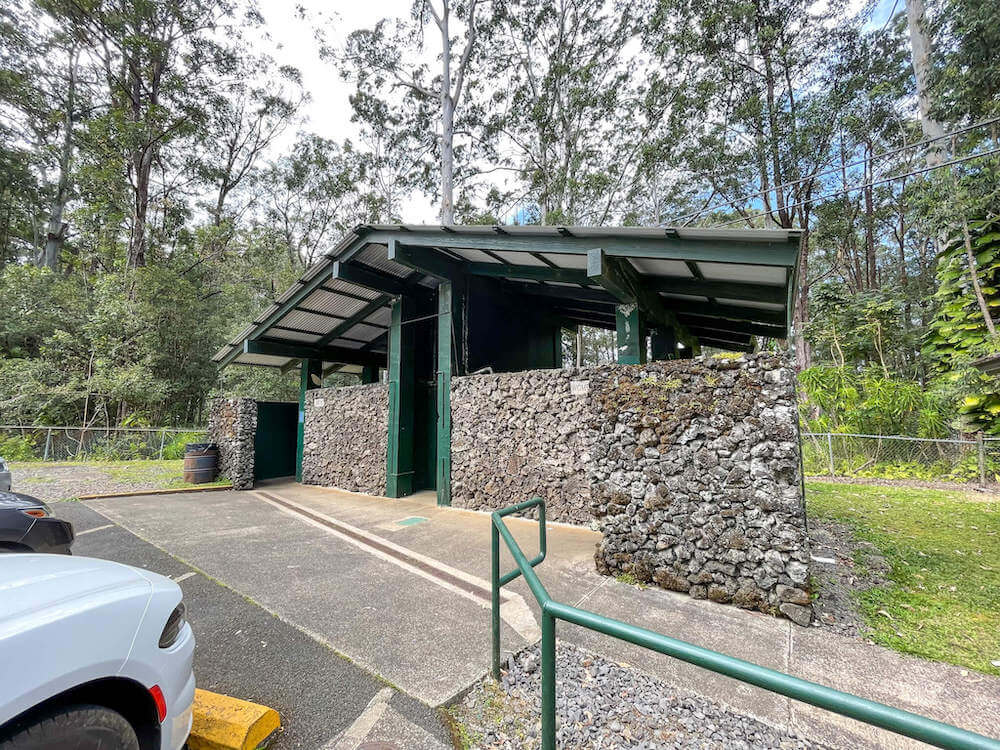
(245, 651)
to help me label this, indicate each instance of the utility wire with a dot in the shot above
(874, 183)
(876, 157)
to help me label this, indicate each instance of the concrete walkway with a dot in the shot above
(401, 587)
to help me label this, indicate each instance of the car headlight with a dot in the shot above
(173, 627)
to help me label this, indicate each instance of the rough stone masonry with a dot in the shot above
(691, 468)
(346, 437)
(232, 424)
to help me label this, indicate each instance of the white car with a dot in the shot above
(94, 655)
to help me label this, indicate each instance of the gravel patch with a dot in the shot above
(604, 705)
(858, 566)
(49, 481)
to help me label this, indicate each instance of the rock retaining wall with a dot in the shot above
(346, 433)
(232, 424)
(691, 468)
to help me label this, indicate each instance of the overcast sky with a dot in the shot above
(329, 112)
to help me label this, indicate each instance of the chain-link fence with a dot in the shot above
(34, 443)
(900, 457)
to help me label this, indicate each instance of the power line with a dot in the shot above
(876, 157)
(874, 183)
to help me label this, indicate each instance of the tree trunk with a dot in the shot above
(800, 314)
(920, 47)
(447, 124)
(56, 233)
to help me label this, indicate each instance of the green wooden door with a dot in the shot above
(274, 441)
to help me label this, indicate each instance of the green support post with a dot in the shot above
(548, 680)
(445, 336)
(311, 376)
(629, 340)
(369, 374)
(663, 344)
(399, 454)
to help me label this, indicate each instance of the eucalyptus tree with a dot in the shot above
(565, 115)
(159, 63)
(761, 113)
(397, 90)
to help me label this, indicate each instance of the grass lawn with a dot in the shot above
(944, 551)
(72, 478)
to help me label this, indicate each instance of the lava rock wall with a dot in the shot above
(346, 436)
(232, 424)
(691, 469)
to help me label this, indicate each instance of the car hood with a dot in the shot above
(17, 501)
(34, 584)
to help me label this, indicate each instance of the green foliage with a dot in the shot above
(838, 399)
(17, 448)
(174, 448)
(959, 333)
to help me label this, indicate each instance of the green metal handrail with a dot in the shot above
(877, 714)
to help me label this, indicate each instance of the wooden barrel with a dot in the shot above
(201, 462)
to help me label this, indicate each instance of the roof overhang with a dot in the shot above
(716, 287)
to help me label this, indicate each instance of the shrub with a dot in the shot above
(175, 447)
(17, 448)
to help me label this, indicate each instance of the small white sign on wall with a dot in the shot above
(319, 402)
(579, 387)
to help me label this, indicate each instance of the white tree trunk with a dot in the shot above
(447, 214)
(920, 47)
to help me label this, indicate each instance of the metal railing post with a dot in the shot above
(495, 609)
(163, 437)
(829, 450)
(48, 444)
(548, 647)
(982, 457)
(875, 714)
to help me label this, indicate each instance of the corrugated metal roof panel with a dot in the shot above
(749, 274)
(658, 267)
(358, 291)
(308, 321)
(335, 304)
(363, 332)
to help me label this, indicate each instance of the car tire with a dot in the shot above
(73, 728)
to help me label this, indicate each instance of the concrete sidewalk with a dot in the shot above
(397, 585)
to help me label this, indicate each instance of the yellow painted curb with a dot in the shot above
(224, 723)
(171, 491)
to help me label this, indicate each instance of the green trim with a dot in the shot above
(539, 273)
(421, 259)
(343, 354)
(724, 289)
(704, 325)
(399, 449)
(621, 279)
(670, 246)
(368, 278)
(310, 370)
(734, 312)
(445, 326)
(629, 341)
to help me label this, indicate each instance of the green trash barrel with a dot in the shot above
(201, 462)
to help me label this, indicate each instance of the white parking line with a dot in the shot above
(96, 528)
(358, 731)
(185, 576)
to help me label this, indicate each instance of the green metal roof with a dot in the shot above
(718, 287)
